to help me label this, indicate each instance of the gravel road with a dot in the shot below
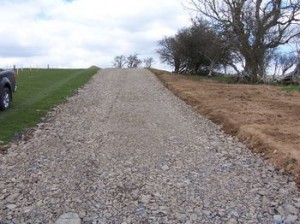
(126, 150)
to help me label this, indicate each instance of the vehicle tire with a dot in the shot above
(5, 99)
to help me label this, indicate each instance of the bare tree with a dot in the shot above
(296, 72)
(283, 61)
(287, 61)
(169, 53)
(276, 64)
(133, 61)
(119, 61)
(253, 26)
(148, 62)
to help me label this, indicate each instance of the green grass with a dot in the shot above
(291, 88)
(38, 91)
(218, 78)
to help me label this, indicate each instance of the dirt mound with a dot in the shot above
(94, 67)
(266, 118)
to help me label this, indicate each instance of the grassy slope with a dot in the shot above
(38, 91)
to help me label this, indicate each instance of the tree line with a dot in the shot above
(235, 33)
(132, 61)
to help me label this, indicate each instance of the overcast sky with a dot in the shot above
(81, 33)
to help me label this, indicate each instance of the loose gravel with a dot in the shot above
(126, 150)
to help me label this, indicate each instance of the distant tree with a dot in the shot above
(169, 53)
(211, 44)
(195, 49)
(119, 61)
(133, 61)
(296, 72)
(189, 46)
(283, 61)
(253, 27)
(287, 61)
(148, 62)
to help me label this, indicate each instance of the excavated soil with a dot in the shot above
(265, 117)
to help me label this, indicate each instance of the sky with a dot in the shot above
(81, 33)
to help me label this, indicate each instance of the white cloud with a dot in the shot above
(81, 33)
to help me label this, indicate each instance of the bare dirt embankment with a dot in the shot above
(265, 117)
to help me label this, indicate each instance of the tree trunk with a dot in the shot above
(251, 71)
(176, 65)
(211, 67)
(254, 66)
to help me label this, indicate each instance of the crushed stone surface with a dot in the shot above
(126, 150)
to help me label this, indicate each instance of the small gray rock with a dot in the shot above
(281, 211)
(245, 179)
(145, 199)
(271, 168)
(283, 191)
(82, 214)
(11, 206)
(180, 216)
(291, 209)
(12, 197)
(297, 204)
(207, 213)
(277, 219)
(193, 217)
(165, 167)
(291, 219)
(231, 221)
(234, 213)
(262, 192)
(68, 218)
(27, 209)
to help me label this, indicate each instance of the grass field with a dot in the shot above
(38, 91)
(292, 88)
